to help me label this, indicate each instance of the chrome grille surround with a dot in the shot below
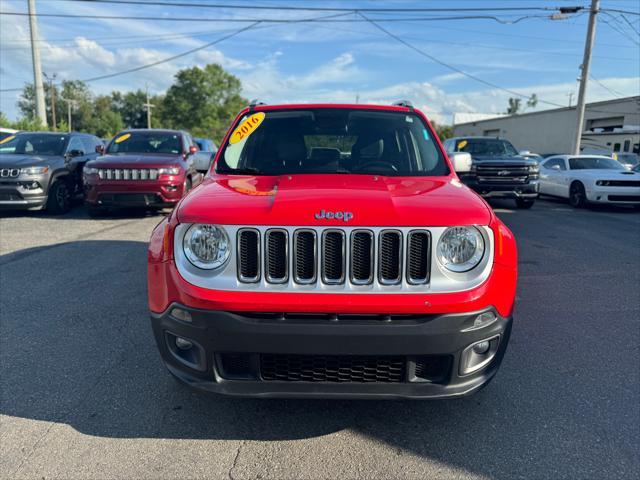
(242, 245)
(440, 280)
(9, 172)
(298, 252)
(128, 173)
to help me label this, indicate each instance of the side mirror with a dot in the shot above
(100, 149)
(75, 153)
(461, 161)
(555, 167)
(202, 162)
(193, 149)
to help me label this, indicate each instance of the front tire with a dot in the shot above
(59, 199)
(524, 203)
(577, 195)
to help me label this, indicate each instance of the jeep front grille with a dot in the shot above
(128, 173)
(9, 172)
(333, 256)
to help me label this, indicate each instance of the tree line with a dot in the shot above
(203, 101)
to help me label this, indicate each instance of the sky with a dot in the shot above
(347, 61)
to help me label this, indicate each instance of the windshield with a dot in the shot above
(594, 163)
(34, 144)
(146, 142)
(488, 147)
(317, 141)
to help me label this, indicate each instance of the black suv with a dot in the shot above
(43, 170)
(497, 171)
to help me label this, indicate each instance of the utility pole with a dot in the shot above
(584, 76)
(570, 94)
(52, 90)
(148, 106)
(70, 104)
(41, 112)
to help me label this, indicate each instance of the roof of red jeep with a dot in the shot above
(359, 106)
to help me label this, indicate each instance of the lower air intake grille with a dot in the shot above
(276, 258)
(332, 368)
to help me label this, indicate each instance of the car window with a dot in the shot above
(75, 143)
(146, 142)
(491, 147)
(594, 163)
(34, 144)
(549, 164)
(89, 145)
(328, 140)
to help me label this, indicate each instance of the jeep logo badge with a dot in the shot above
(325, 215)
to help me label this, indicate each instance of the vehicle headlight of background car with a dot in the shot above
(206, 246)
(169, 171)
(32, 171)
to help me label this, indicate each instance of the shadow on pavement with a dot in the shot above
(77, 349)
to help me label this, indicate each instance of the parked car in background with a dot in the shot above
(498, 170)
(7, 132)
(333, 252)
(142, 168)
(43, 170)
(585, 179)
(628, 160)
(205, 156)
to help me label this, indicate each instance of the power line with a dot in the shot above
(630, 24)
(319, 9)
(610, 90)
(446, 65)
(618, 29)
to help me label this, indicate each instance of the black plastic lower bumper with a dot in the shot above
(300, 355)
(503, 190)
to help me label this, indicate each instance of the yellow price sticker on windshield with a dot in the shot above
(122, 138)
(246, 128)
(9, 138)
(462, 144)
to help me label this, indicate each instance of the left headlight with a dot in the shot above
(460, 249)
(206, 246)
(34, 170)
(90, 170)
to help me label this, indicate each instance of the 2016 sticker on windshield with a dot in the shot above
(246, 128)
(122, 138)
(8, 139)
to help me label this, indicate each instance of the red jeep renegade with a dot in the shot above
(333, 252)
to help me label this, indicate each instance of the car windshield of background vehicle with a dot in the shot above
(594, 163)
(325, 141)
(34, 144)
(146, 142)
(486, 147)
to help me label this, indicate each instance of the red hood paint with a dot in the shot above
(295, 199)
(136, 160)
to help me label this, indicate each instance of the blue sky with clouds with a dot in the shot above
(338, 62)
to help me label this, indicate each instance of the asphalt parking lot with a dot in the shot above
(84, 394)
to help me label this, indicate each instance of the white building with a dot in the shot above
(610, 126)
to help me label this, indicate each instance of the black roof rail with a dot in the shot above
(254, 103)
(403, 103)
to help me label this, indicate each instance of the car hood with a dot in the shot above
(296, 199)
(134, 161)
(503, 160)
(21, 161)
(602, 174)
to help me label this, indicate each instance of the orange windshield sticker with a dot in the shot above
(462, 144)
(5, 140)
(246, 128)
(122, 138)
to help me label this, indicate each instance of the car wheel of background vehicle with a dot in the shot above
(577, 196)
(524, 203)
(59, 200)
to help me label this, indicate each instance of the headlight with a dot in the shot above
(169, 171)
(90, 170)
(534, 168)
(34, 170)
(206, 246)
(460, 249)
(602, 183)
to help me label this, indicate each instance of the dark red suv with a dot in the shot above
(142, 168)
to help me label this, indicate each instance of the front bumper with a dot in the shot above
(163, 192)
(616, 195)
(432, 343)
(502, 190)
(19, 195)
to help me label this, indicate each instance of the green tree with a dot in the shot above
(203, 101)
(105, 122)
(514, 106)
(443, 131)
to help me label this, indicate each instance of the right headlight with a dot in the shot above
(206, 246)
(460, 249)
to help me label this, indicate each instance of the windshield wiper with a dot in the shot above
(240, 171)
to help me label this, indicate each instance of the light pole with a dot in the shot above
(52, 90)
(41, 112)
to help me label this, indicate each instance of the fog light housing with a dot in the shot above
(478, 355)
(186, 351)
(181, 314)
(183, 343)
